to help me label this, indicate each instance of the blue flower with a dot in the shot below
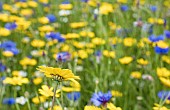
(98, 53)
(164, 95)
(73, 95)
(85, 1)
(66, 2)
(1, 4)
(56, 36)
(167, 33)
(124, 7)
(154, 38)
(10, 26)
(9, 101)
(10, 46)
(51, 18)
(63, 56)
(160, 50)
(2, 67)
(153, 8)
(101, 98)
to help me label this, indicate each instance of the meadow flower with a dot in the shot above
(51, 18)
(142, 61)
(161, 48)
(10, 26)
(126, 60)
(9, 101)
(154, 38)
(56, 36)
(56, 107)
(164, 95)
(64, 12)
(2, 67)
(116, 93)
(136, 74)
(165, 81)
(7, 53)
(153, 8)
(28, 61)
(38, 43)
(101, 98)
(167, 33)
(48, 91)
(78, 24)
(21, 100)
(129, 41)
(105, 8)
(163, 72)
(73, 96)
(58, 73)
(124, 7)
(65, 6)
(159, 107)
(37, 81)
(39, 99)
(4, 32)
(63, 56)
(91, 108)
(166, 59)
(16, 80)
(111, 106)
(74, 87)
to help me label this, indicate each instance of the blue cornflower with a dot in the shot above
(1, 4)
(98, 53)
(124, 7)
(51, 18)
(63, 56)
(167, 33)
(164, 95)
(101, 98)
(85, 1)
(73, 95)
(66, 2)
(2, 67)
(56, 36)
(10, 46)
(9, 101)
(10, 26)
(154, 38)
(153, 8)
(160, 50)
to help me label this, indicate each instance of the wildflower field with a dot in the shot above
(84, 55)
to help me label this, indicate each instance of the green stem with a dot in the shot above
(55, 89)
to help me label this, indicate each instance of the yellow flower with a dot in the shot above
(98, 41)
(74, 86)
(126, 60)
(109, 53)
(43, 20)
(56, 107)
(58, 73)
(165, 81)
(4, 32)
(39, 99)
(16, 81)
(87, 34)
(27, 61)
(122, 1)
(163, 72)
(115, 40)
(160, 21)
(82, 54)
(65, 6)
(110, 106)
(48, 91)
(46, 28)
(71, 36)
(23, 25)
(166, 59)
(105, 8)
(116, 93)
(38, 43)
(91, 108)
(159, 107)
(129, 41)
(33, 4)
(142, 61)
(4, 17)
(15, 73)
(37, 81)
(136, 74)
(152, 20)
(26, 12)
(78, 24)
(7, 53)
(162, 44)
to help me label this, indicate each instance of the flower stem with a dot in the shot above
(55, 89)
